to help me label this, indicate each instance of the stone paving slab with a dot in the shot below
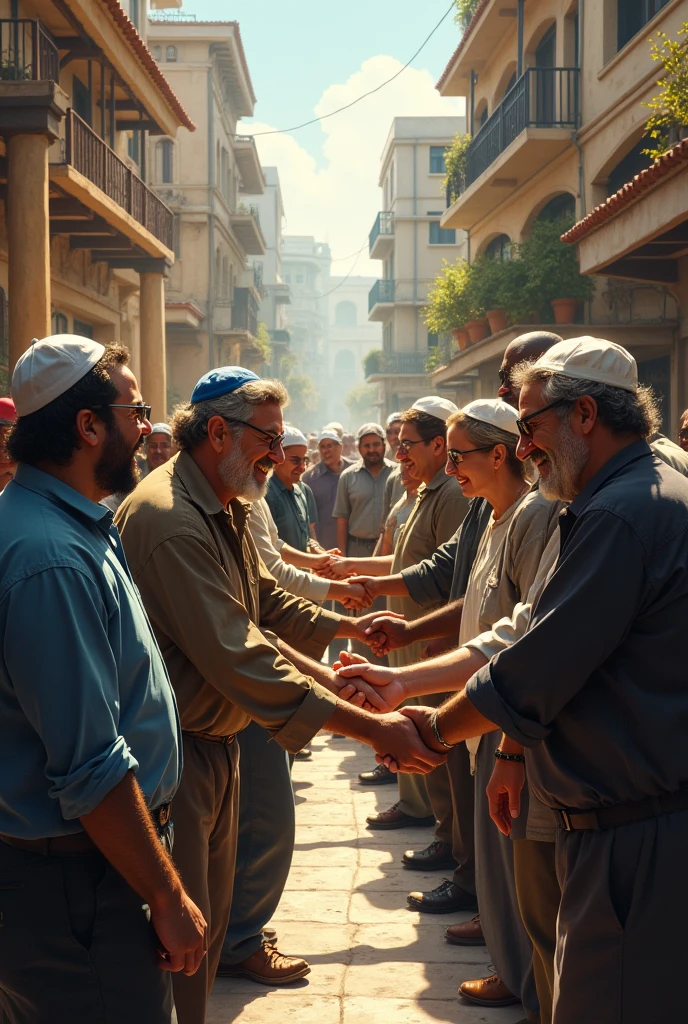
(344, 910)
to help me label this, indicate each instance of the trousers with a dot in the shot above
(76, 944)
(423, 795)
(205, 811)
(539, 895)
(265, 841)
(462, 792)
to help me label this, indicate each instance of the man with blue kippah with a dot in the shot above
(215, 611)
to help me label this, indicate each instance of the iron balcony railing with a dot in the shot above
(27, 52)
(384, 225)
(382, 291)
(87, 153)
(244, 311)
(280, 337)
(380, 362)
(541, 98)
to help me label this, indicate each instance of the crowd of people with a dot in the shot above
(492, 598)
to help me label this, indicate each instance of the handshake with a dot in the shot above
(354, 592)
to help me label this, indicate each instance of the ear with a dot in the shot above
(89, 427)
(585, 412)
(218, 433)
(499, 455)
(439, 446)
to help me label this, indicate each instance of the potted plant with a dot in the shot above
(455, 157)
(451, 305)
(488, 278)
(552, 273)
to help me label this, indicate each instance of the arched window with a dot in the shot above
(345, 314)
(499, 248)
(166, 161)
(157, 52)
(171, 53)
(344, 361)
(561, 206)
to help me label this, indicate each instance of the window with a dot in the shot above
(81, 100)
(632, 15)
(437, 165)
(171, 53)
(561, 206)
(633, 163)
(345, 314)
(157, 53)
(60, 323)
(83, 329)
(499, 248)
(166, 153)
(439, 235)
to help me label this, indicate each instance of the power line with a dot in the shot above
(314, 120)
(340, 259)
(344, 279)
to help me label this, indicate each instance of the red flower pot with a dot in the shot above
(460, 336)
(477, 330)
(496, 318)
(564, 310)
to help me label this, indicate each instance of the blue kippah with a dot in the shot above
(222, 381)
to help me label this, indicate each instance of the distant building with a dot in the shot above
(306, 269)
(351, 336)
(408, 238)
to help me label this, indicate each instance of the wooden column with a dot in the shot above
(153, 383)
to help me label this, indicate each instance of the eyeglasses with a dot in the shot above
(297, 460)
(455, 456)
(274, 440)
(144, 411)
(524, 428)
(406, 446)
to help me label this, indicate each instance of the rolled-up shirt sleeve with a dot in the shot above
(289, 577)
(581, 618)
(75, 709)
(430, 580)
(229, 651)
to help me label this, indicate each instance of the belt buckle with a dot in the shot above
(564, 820)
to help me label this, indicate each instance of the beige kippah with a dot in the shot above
(50, 367)
(494, 411)
(592, 359)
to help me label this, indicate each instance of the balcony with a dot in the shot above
(252, 179)
(380, 295)
(280, 338)
(244, 311)
(93, 174)
(530, 128)
(381, 237)
(27, 52)
(246, 227)
(379, 364)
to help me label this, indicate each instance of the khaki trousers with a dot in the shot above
(205, 812)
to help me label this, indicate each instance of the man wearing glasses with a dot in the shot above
(215, 611)
(292, 502)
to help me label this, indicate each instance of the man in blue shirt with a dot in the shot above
(90, 902)
(291, 502)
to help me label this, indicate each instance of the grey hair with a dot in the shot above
(621, 411)
(482, 433)
(189, 423)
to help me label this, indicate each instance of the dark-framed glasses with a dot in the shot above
(455, 455)
(143, 411)
(406, 446)
(274, 440)
(524, 427)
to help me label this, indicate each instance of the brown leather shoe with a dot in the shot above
(488, 992)
(395, 818)
(267, 966)
(468, 933)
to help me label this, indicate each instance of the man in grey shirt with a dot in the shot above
(359, 503)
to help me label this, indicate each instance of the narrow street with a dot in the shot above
(345, 911)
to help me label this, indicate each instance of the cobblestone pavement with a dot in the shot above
(344, 909)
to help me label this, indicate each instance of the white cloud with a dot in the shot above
(339, 201)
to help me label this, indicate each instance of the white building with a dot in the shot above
(351, 337)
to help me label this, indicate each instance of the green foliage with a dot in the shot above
(552, 270)
(304, 397)
(670, 105)
(360, 403)
(465, 9)
(262, 341)
(455, 162)
(373, 361)
(500, 284)
(451, 302)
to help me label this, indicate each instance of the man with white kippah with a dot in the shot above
(90, 755)
(291, 502)
(359, 504)
(158, 447)
(603, 721)
(323, 480)
(392, 428)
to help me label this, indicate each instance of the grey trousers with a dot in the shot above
(462, 790)
(539, 896)
(76, 945)
(621, 935)
(508, 944)
(265, 842)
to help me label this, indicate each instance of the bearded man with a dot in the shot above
(214, 608)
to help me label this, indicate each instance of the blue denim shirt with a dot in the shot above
(293, 511)
(84, 692)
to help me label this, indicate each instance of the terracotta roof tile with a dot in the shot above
(629, 193)
(144, 55)
(482, 4)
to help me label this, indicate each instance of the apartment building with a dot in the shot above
(408, 238)
(306, 267)
(555, 92)
(351, 336)
(276, 294)
(213, 292)
(85, 244)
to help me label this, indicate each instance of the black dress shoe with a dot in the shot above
(393, 817)
(380, 776)
(445, 899)
(435, 857)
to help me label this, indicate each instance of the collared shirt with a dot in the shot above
(209, 598)
(437, 513)
(323, 482)
(84, 693)
(394, 491)
(360, 499)
(598, 686)
(293, 511)
(296, 581)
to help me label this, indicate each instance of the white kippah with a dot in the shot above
(293, 436)
(161, 428)
(592, 359)
(493, 411)
(329, 435)
(50, 367)
(433, 405)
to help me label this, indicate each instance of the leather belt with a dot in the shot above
(622, 814)
(79, 843)
(210, 737)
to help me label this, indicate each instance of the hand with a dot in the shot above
(350, 594)
(334, 551)
(319, 565)
(366, 620)
(182, 932)
(440, 645)
(387, 632)
(421, 718)
(371, 585)
(398, 744)
(371, 687)
(504, 793)
(337, 568)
